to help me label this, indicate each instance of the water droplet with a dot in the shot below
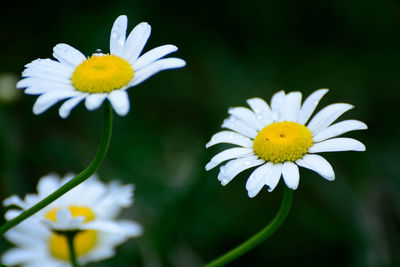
(222, 169)
(114, 35)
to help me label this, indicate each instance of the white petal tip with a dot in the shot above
(361, 148)
(251, 194)
(122, 17)
(179, 63)
(293, 187)
(330, 178)
(224, 180)
(209, 166)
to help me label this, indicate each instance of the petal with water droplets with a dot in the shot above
(247, 116)
(228, 154)
(239, 126)
(261, 109)
(66, 54)
(236, 166)
(118, 34)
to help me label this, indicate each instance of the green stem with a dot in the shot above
(81, 177)
(72, 255)
(260, 236)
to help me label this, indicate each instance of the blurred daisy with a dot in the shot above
(90, 208)
(278, 140)
(102, 76)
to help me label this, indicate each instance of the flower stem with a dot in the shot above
(70, 240)
(260, 236)
(81, 177)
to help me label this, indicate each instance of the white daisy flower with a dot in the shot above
(93, 79)
(278, 140)
(91, 208)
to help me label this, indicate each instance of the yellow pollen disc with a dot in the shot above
(282, 141)
(102, 74)
(84, 241)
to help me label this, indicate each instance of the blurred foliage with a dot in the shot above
(235, 50)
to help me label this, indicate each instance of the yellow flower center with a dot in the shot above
(282, 141)
(84, 241)
(102, 74)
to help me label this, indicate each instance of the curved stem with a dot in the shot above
(72, 255)
(81, 177)
(260, 236)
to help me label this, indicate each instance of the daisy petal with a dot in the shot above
(68, 105)
(47, 100)
(153, 55)
(68, 55)
(257, 179)
(230, 138)
(157, 66)
(291, 176)
(118, 33)
(136, 41)
(274, 176)
(14, 200)
(247, 116)
(11, 214)
(339, 128)
(120, 101)
(318, 164)
(94, 101)
(261, 109)
(228, 154)
(63, 78)
(276, 105)
(50, 64)
(326, 116)
(130, 229)
(236, 166)
(48, 184)
(17, 256)
(239, 126)
(63, 216)
(337, 144)
(309, 105)
(291, 106)
(103, 226)
(26, 82)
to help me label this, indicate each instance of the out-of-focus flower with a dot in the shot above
(8, 83)
(90, 209)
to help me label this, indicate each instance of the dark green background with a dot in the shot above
(234, 50)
